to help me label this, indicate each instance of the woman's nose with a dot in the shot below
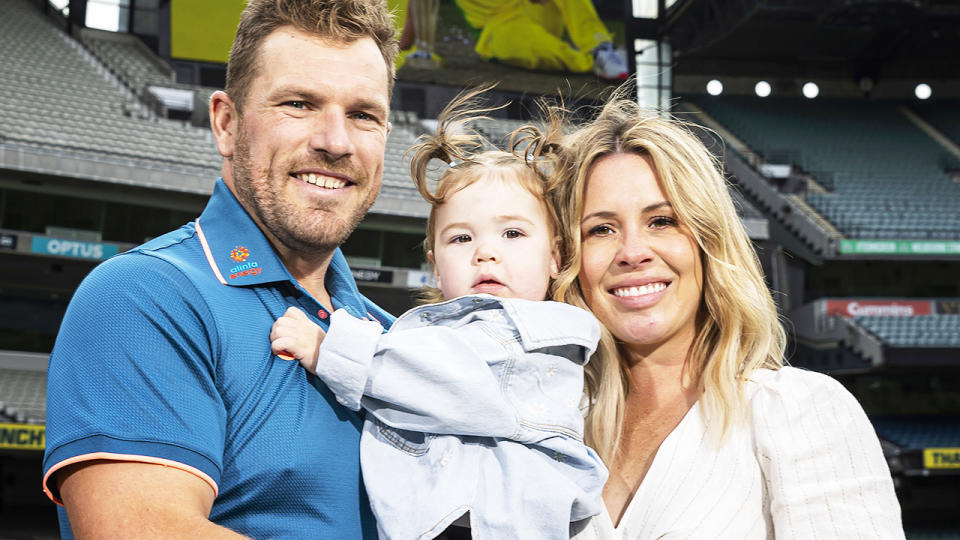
(634, 250)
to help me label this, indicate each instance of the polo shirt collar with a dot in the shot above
(236, 249)
(240, 255)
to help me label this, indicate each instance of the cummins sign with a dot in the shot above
(878, 308)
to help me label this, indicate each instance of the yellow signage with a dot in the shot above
(22, 436)
(941, 458)
(203, 30)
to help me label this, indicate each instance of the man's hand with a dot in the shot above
(294, 335)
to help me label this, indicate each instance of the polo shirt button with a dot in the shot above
(322, 313)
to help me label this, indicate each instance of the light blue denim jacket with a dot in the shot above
(472, 406)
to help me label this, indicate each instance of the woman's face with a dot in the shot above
(640, 272)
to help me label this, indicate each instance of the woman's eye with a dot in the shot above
(460, 239)
(600, 230)
(512, 233)
(662, 222)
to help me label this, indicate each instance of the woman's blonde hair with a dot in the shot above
(738, 328)
(469, 157)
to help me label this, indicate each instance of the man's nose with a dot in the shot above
(331, 135)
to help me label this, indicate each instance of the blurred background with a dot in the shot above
(838, 122)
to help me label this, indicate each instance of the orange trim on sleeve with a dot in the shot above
(126, 457)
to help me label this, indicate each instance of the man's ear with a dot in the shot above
(224, 121)
(433, 263)
(555, 258)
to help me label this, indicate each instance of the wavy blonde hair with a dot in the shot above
(469, 157)
(738, 328)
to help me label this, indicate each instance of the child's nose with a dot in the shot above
(486, 253)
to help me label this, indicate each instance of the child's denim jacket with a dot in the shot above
(502, 379)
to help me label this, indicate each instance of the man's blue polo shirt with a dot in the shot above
(164, 357)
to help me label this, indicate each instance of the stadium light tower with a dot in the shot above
(923, 91)
(811, 90)
(762, 88)
(714, 87)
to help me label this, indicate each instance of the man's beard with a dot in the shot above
(317, 230)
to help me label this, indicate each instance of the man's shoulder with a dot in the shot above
(166, 263)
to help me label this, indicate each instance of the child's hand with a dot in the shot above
(296, 335)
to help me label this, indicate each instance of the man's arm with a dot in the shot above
(132, 376)
(117, 499)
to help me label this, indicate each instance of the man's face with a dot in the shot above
(308, 156)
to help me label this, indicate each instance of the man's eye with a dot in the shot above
(296, 104)
(364, 117)
(460, 239)
(512, 233)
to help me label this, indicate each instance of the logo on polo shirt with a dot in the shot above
(240, 255)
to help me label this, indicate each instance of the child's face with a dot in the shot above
(494, 237)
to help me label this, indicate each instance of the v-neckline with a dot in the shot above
(655, 467)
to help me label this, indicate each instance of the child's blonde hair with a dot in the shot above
(469, 157)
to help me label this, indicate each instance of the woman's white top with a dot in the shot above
(808, 464)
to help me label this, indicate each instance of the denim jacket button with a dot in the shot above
(425, 316)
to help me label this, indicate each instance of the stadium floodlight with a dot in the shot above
(762, 89)
(811, 90)
(714, 87)
(923, 91)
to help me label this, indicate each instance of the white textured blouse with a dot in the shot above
(808, 464)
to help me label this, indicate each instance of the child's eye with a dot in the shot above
(512, 233)
(460, 239)
(662, 222)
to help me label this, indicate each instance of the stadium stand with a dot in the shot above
(127, 58)
(918, 432)
(943, 115)
(23, 395)
(875, 174)
(920, 331)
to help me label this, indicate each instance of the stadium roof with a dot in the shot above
(838, 38)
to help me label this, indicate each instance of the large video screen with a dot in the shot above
(204, 30)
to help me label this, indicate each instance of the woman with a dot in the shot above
(704, 431)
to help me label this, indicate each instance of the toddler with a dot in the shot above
(472, 401)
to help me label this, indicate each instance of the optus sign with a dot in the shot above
(72, 248)
(878, 308)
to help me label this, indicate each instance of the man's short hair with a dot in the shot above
(342, 21)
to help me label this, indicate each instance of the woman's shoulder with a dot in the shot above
(791, 381)
(792, 397)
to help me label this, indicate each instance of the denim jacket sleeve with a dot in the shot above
(428, 379)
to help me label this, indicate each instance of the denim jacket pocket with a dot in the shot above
(414, 443)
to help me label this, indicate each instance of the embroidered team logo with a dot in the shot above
(239, 254)
(251, 268)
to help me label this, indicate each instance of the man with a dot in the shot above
(168, 416)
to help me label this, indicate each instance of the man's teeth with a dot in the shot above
(322, 181)
(649, 288)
